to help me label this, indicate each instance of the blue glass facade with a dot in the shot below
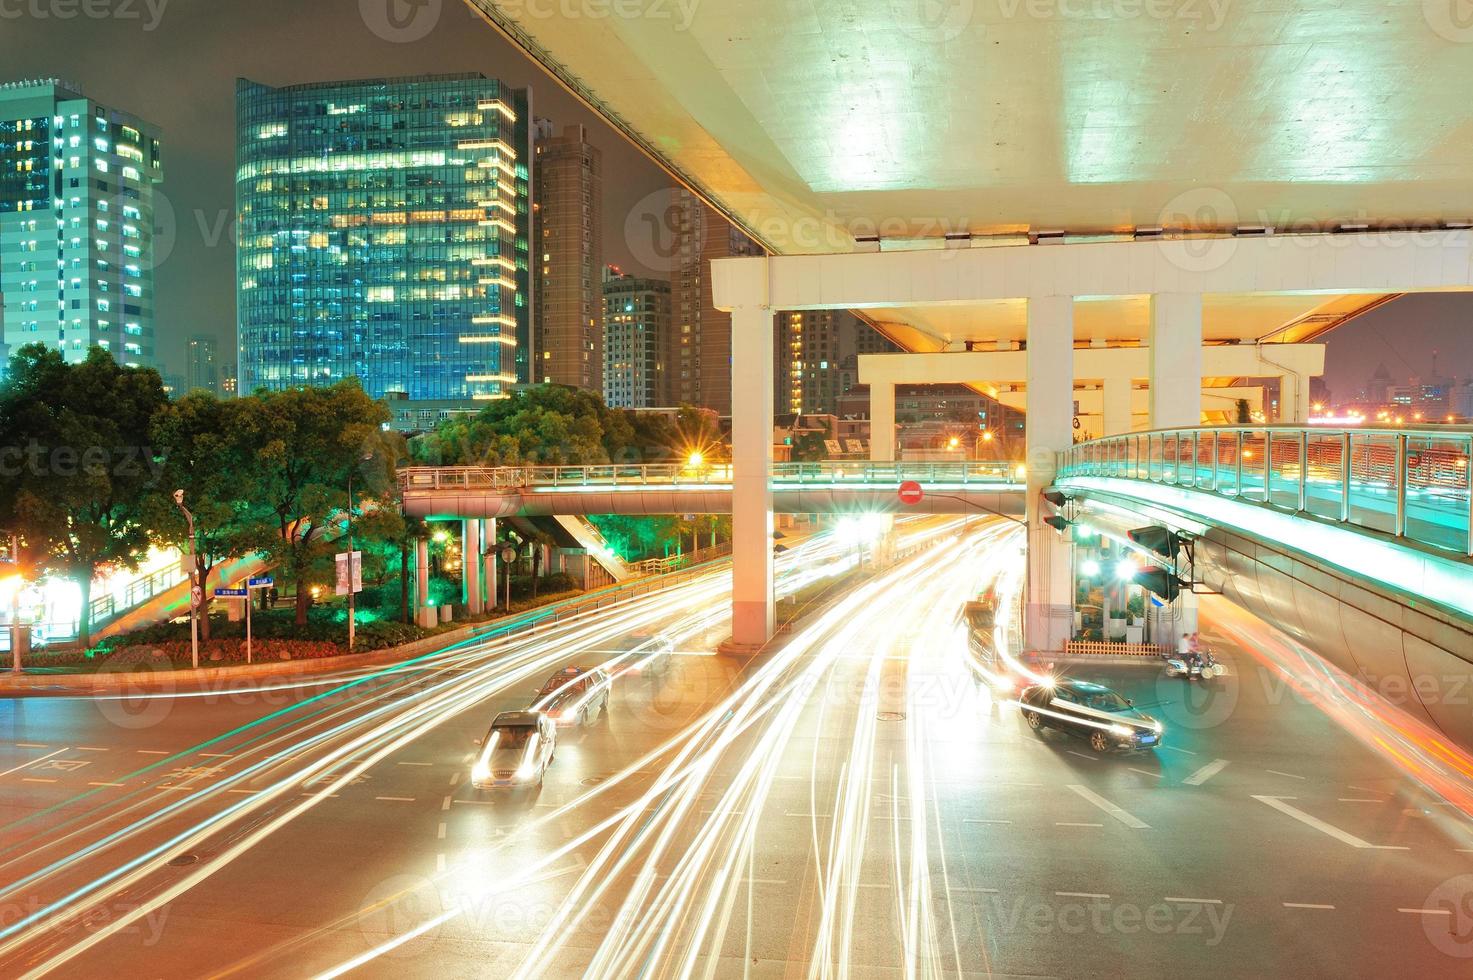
(384, 229)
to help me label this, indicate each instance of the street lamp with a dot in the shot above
(352, 622)
(194, 591)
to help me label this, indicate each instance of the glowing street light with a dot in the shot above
(1089, 568)
(1125, 569)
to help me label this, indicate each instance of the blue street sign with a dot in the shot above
(231, 593)
(261, 583)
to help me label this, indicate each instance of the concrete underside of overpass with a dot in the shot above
(1399, 645)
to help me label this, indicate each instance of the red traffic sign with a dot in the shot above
(911, 492)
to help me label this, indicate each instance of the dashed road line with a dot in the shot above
(1192, 901)
(35, 779)
(1080, 895)
(29, 745)
(1091, 758)
(104, 784)
(1426, 911)
(27, 765)
(91, 748)
(1144, 772)
(1118, 812)
(1177, 748)
(1277, 802)
(1060, 823)
(396, 799)
(1356, 799)
(1289, 774)
(244, 792)
(414, 763)
(439, 863)
(978, 820)
(440, 834)
(1305, 905)
(152, 751)
(217, 755)
(446, 805)
(1205, 773)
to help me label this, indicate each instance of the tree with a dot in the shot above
(204, 454)
(1245, 412)
(305, 442)
(77, 469)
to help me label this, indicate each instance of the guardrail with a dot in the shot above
(863, 473)
(1409, 483)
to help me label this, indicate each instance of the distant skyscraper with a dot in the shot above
(636, 327)
(816, 353)
(202, 364)
(567, 257)
(228, 386)
(76, 222)
(698, 360)
(383, 235)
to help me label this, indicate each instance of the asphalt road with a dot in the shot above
(855, 803)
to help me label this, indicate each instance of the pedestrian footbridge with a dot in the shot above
(477, 492)
(1354, 541)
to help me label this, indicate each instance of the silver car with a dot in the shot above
(516, 751)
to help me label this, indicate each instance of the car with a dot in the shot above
(574, 696)
(516, 751)
(1092, 712)
(649, 653)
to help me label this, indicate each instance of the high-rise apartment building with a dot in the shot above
(77, 255)
(567, 257)
(202, 364)
(816, 354)
(384, 231)
(698, 358)
(636, 317)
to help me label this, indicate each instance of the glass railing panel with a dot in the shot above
(1373, 481)
(1283, 470)
(1437, 490)
(1250, 463)
(1322, 490)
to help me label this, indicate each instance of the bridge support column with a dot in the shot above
(470, 563)
(1176, 360)
(488, 561)
(1117, 408)
(882, 422)
(1049, 607)
(1294, 399)
(424, 614)
(753, 613)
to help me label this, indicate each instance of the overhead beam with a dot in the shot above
(1003, 367)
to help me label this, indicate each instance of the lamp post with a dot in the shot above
(352, 620)
(194, 590)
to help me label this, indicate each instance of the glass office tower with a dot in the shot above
(384, 227)
(77, 223)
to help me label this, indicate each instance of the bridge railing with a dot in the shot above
(857, 472)
(1409, 483)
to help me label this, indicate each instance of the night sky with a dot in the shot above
(181, 75)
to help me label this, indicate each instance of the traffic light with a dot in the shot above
(1158, 539)
(1059, 523)
(1163, 583)
(1055, 497)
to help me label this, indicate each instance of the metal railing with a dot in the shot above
(1409, 483)
(859, 473)
(139, 591)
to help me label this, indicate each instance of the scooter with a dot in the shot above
(1200, 667)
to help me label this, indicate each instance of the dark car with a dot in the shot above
(1091, 711)
(574, 696)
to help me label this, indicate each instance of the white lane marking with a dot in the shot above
(396, 799)
(1356, 799)
(439, 864)
(1277, 802)
(1091, 758)
(1193, 901)
(446, 805)
(1119, 813)
(217, 755)
(104, 784)
(27, 765)
(454, 779)
(1289, 774)
(1080, 895)
(1363, 789)
(1427, 911)
(35, 779)
(1205, 773)
(244, 792)
(1144, 772)
(977, 820)
(764, 881)
(1306, 905)
(1175, 748)
(980, 891)
(29, 745)
(325, 796)
(89, 748)
(152, 752)
(1058, 823)
(415, 763)
(440, 834)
